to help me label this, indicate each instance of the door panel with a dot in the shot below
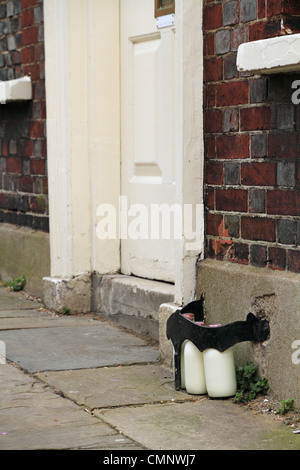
(147, 143)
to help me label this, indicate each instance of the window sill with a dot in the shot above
(15, 90)
(275, 55)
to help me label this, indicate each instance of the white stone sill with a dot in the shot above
(275, 55)
(15, 90)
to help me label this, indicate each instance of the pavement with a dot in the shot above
(78, 382)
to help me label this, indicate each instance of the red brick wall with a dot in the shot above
(23, 173)
(252, 137)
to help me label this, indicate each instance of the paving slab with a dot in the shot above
(33, 417)
(16, 301)
(200, 425)
(75, 347)
(135, 385)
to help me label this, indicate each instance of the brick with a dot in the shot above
(231, 226)
(276, 7)
(37, 129)
(233, 146)
(26, 166)
(210, 198)
(291, 7)
(24, 147)
(28, 3)
(283, 202)
(212, 16)
(232, 93)
(14, 165)
(231, 200)
(294, 260)
(214, 172)
(16, 57)
(256, 201)
(213, 69)
(209, 44)
(32, 70)
(285, 116)
(231, 13)
(12, 147)
(258, 174)
(25, 184)
(38, 14)
(30, 35)
(238, 36)
(261, 8)
(37, 166)
(222, 41)
(213, 121)
(210, 146)
(41, 185)
(5, 148)
(3, 200)
(230, 67)
(248, 10)
(258, 255)
(286, 174)
(214, 224)
(232, 173)
(211, 95)
(280, 88)
(39, 52)
(222, 248)
(286, 230)
(256, 118)
(209, 248)
(258, 228)
(258, 90)
(38, 204)
(230, 120)
(23, 203)
(277, 258)
(27, 18)
(297, 232)
(259, 145)
(2, 165)
(284, 145)
(238, 253)
(11, 43)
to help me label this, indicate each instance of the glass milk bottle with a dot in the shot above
(220, 373)
(194, 375)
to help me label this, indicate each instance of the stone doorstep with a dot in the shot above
(131, 302)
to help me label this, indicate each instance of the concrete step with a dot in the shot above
(131, 302)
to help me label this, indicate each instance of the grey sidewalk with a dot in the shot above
(75, 382)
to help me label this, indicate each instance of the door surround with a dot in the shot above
(83, 134)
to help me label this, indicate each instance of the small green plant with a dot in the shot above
(249, 383)
(66, 310)
(285, 406)
(16, 284)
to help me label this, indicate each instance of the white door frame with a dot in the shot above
(83, 132)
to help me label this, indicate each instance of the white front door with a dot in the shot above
(148, 142)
